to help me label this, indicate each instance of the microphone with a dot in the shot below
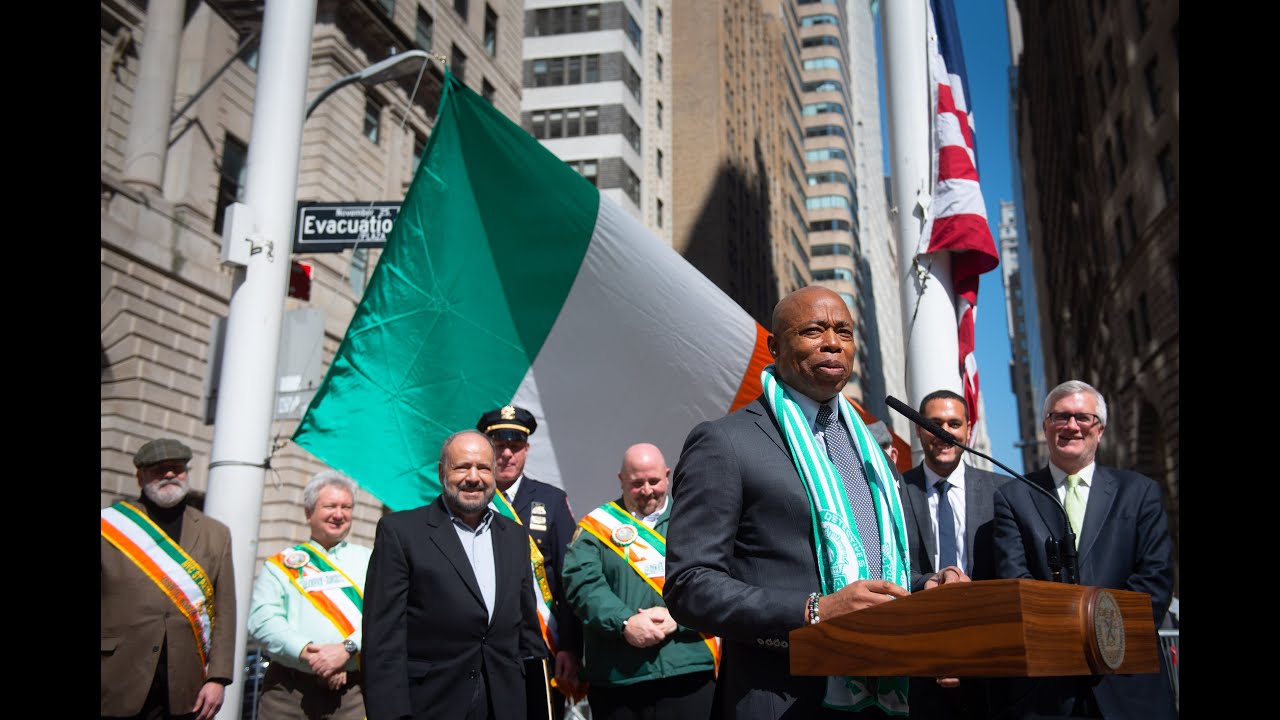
(1066, 549)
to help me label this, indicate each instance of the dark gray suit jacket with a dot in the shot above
(979, 513)
(1124, 545)
(741, 560)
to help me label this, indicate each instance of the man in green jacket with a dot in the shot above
(638, 662)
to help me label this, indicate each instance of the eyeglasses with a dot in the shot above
(1084, 420)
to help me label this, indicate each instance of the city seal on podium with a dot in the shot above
(1108, 629)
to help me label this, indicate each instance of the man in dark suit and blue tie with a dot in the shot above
(950, 508)
(747, 561)
(1122, 543)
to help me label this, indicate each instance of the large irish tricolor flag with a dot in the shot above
(509, 279)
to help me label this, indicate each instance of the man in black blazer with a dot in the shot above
(1122, 542)
(448, 604)
(741, 558)
(970, 506)
(544, 510)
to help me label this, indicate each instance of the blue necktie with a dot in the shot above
(845, 458)
(947, 553)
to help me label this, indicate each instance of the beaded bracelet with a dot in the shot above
(813, 608)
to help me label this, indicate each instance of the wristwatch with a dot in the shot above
(350, 646)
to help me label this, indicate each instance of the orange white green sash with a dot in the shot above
(160, 558)
(542, 590)
(324, 584)
(643, 549)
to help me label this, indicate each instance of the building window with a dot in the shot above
(832, 249)
(569, 19)
(1153, 87)
(423, 30)
(1164, 161)
(631, 186)
(388, 7)
(490, 30)
(824, 19)
(631, 131)
(567, 122)
(822, 63)
(658, 211)
(822, 107)
(589, 169)
(486, 90)
(658, 68)
(458, 63)
(825, 154)
(826, 201)
(631, 79)
(823, 86)
(827, 177)
(658, 17)
(231, 177)
(461, 7)
(821, 225)
(659, 113)
(372, 117)
(833, 274)
(659, 163)
(820, 40)
(550, 72)
(633, 32)
(823, 131)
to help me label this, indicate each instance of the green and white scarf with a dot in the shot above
(841, 558)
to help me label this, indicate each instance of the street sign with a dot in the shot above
(334, 227)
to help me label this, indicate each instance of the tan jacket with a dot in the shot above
(137, 617)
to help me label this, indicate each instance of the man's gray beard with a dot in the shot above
(167, 496)
(453, 496)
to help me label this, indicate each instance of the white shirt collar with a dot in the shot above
(652, 518)
(809, 406)
(956, 477)
(511, 491)
(1060, 475)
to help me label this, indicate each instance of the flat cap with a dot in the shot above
(880, 432)
(507, 423)
(159, 450)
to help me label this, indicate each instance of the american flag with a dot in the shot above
(957, 216)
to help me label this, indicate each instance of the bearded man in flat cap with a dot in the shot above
(168, 597)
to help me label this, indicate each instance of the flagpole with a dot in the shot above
(928, 303)
(247, 384)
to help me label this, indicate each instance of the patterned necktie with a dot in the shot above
(845, 457)
(947, 553)
(1075, 506)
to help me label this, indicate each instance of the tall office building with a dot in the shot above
(597, 93)
(178, 85)
(1098, 140)
(1031, 445)
(765, 187)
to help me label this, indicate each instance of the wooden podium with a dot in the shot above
(988, 628)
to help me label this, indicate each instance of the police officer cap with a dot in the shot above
(160, 450)
(880, 432)
(508, 423)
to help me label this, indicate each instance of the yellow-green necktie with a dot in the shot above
(1075, 506)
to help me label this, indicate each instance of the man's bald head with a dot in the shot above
(645, 477)
(812, 342)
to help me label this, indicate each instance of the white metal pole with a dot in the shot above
(928, 303)
(246, 395)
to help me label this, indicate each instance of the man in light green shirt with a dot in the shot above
(306, 611)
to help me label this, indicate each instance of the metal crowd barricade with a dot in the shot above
(255, 667)
(1169, 647)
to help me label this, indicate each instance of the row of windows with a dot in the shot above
(569, 19)
(822, 63)
(820, 40)
(827, 249)
(566, 122)
(823, 225)
(826, 201)
(823, 86)
(822, 107)
(424, 28)
(824, 131)
(549, 72)
(827, 177)
(833, 274)
(825, 154)
(815, 20)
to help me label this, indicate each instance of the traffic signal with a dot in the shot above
(300, 280)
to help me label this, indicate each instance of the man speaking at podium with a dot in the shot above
(748, 559)
(1122, 543)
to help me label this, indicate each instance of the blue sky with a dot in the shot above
(985, 39)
